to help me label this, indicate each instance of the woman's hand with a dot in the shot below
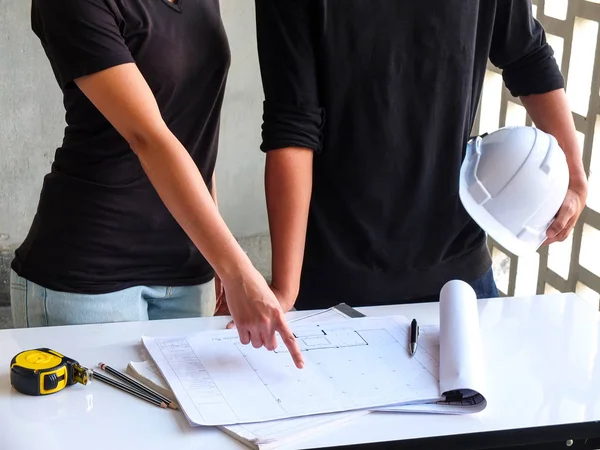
(286, 303)
(258, 314)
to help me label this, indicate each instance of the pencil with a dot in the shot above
(140, 386)
(124, 387)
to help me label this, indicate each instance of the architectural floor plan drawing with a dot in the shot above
(350, 365)
(320, 339)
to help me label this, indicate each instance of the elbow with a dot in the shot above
(138, 141)
(143, 141)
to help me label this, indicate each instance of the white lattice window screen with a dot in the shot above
(572, 29)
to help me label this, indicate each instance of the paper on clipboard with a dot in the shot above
(460, 354)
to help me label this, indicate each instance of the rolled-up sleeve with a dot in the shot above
(519, 48)
(292, 113)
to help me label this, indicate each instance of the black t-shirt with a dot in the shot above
(100, 225)
(386, 92)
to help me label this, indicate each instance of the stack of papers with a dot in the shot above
(352, 367)
(271, 434)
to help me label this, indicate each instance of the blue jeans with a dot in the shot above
(485, 286)
(35, 306)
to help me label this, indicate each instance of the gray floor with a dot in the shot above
(5, 319)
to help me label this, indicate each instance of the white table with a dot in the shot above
(542, 365)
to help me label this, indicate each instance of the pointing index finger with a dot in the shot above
(290, 342)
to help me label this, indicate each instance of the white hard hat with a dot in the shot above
(512, 183)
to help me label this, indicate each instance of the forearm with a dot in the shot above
(182, 189)
(551, 113)
(288, 185)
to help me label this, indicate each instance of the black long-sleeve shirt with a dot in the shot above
(385, 92)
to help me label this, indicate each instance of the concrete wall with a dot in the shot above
(33, 120)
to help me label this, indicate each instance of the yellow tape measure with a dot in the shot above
(43, 371)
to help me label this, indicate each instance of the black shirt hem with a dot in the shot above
(325, 285)
(107, 286)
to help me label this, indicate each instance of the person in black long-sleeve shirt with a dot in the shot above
(368, 108)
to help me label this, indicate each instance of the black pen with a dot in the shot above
(414, 336)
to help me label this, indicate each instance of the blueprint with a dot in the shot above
(355, 364)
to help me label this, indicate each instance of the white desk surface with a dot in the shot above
(542, 367)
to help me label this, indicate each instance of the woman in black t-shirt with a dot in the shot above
(127, 226)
